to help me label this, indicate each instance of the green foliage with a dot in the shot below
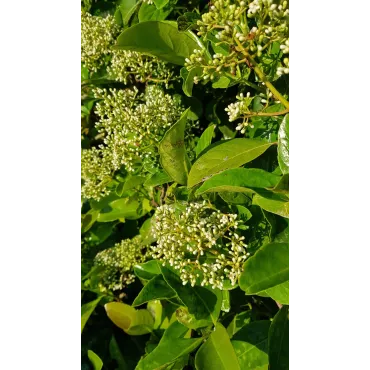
(185, 184)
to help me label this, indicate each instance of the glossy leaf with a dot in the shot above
(159, 39)
(171, 347)
(205, 140)
(268, 268)
(251, 345)
(172, 150)
(149, 12)
(229, 154)
(156, 288)
(202, 302)
(279, 293)
(147, 270)
(95, 360)
(283, 145)
(188, 82)
(278, 341)
(217, 353)
(158, 178)
(86, 310)
(277, 205)
(239, 180)
(130, 320)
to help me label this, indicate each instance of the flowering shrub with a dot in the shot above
(185, 184)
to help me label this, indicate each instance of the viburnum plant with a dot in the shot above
(185, 184)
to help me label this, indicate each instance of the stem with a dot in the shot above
(262, 76)
(269, 114)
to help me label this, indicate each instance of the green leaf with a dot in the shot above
(230, 154)
(158, 178)
(251, 345)
(172, 150)
(279, 293)
(266, 269)
(160, 3)
(171, 347)
(205, 140)
(146, 232)
(147, 270)
(149, 12)
(273, 204)
(86, 310)
(241, 319)
(127, 8)
(187, 21)
(188, 82)
(202, 302)
(283, 237)
(116, 354)
(130, 320)
(159, 39)
(95, 360)
(133, 181)
(221, 83)
(239, 180)
(89, 219)
(217, 353)
(278, 341)
(283, 145)
(156, 288)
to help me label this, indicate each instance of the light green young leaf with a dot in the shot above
(156, 288)
(205, 140)
(89, 219)
(147, 270)
(202, 302)
(268, 268)
(217, 353)
(278, 341)
(283, 145)
(160, 39)
(133, 181)
(95, 360)
(273, 204)
(86, 310)
(239, 180)
(188, 83)
(160, 3)
(251, 345)
(171, 347)
(172, 150)
(229, 154)
(130, 320)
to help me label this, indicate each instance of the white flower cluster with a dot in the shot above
(144, 68)
(238, 109)
(227, 21)
(97, 37)
(131, 125)
(118, 263)
(200, 242)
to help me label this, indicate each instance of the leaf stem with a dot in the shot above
(262, 76)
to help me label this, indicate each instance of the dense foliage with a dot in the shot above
(185, 184)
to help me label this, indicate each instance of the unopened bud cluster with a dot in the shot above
(251, 25)
(118, 263)
(131, 125)
(200, 242)
(98, 35)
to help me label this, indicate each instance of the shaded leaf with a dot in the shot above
(188, 83)
(229, 154)
(86, 310)
(116, 354)
(266, 269)
(278, 341)
(251, 345)
(156, 288)
(217, 353)
(171, 347)
(241, 319)
(172, 150)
